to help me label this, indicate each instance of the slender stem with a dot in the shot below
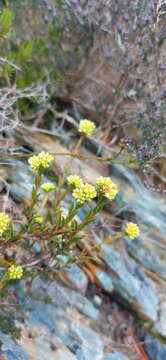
(59, 232)
(62, 196)
(36, 188)
(35, 262)
(78, 144)
(44, 202)
(83, 223)
(81, 156)
(5, 263)
(70, 216)
(108, 240)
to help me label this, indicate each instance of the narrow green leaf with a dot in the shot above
(70, 216)
(5, 22)
(74, 225)
(85, 224)
(71, 206)
(76, 239)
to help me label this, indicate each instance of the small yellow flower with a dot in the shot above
(111, 192)
(103, 182)
(47, 187)
(85, 192)
(74, 180)
(4, 222)
(15, 272)
(107, 187)
(41, 160)
(86, 127)
(132, 230)
(38, 220)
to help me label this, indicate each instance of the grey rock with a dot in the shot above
(97, 300)
(138, 250)
(131, 283)
(154, 348)
(160, 326)
(91, 343)
(63, 295)
(63, 354)
(52, 321)
(87, 354)
(42, 348)
(22, 179)
(12, 348)
(55, 318)
(105, 280)
(77, 277)
(56, 321)
(9, 355)
(18, 193)
(41, 314)
(115, 356)
(149, 209)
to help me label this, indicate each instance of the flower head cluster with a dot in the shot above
(74, 180)
(103, 182)
(14, 272)
(38, 220)
(86, 127)
(47, 187)
(132, 230)
(4, 222)
(84, 192)
(107, 187)
(41, 160)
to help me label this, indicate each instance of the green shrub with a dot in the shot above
(57, 230)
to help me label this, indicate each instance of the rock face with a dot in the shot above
(115, 356)
(154, 349)
(60, 329)
(131, 283)
(124, 270)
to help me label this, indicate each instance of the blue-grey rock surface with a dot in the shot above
(62, 321)
(115, 356)
(154, 348)
(132, 283)
(58, 324)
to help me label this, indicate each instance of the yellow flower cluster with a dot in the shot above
(4, 222)
(41, 160)
(103, 182)
(132, 230)
(47, 187)
(86, 127)
(85, 192)
(15, 272)
(38, 220)
(107, 187)
(74, 180)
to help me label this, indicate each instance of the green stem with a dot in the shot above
(81, 156)
(85, 221)
(78, 144)
(44, 202)
(108, 240)
(59, 232)
(70, 216)
(62, 196)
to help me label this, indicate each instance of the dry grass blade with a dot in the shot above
(138, 347)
